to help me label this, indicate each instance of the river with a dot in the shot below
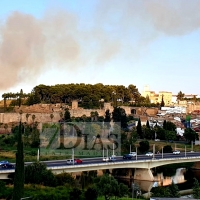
(183, 177)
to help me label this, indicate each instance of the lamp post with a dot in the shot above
(136, 153)
(153, 151)
(73, 155)
(113, 149)
(192, 146)
(185, 150)
(162, 152)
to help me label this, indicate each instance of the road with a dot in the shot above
(54, 163)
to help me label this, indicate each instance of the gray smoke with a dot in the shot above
(30, 46)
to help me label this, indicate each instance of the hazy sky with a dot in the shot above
(114, 42)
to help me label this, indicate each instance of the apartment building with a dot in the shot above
(157, 98)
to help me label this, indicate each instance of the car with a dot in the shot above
(78, 161)
(75, 161)
(133, 154)
(7, 166)
(127, 156)
(149, 154)
(70, 162)
(3, 162)
(176, 152)
(112, 158)
(105, 159)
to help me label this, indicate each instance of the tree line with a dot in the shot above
(87, 95)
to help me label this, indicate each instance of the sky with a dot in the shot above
(114, 42)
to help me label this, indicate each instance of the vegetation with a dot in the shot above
(19, 168)
(196, 189)
(88, 96)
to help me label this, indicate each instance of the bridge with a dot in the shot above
(142, 165)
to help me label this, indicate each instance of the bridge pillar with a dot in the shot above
(143, 174)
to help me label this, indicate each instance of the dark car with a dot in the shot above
(7, 166)
(3, 162)
(127, 156)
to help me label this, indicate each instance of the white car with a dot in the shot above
(105, 159)
(112, 158)
(71, 161)
(133, 154)
(149, 154)
(176, 152)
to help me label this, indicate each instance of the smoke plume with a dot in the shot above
(61, 39)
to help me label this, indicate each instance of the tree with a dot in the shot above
(170, 135)
(37, 173)
(128, 139)
(160, 192)
(170, 126)
(180, 96)
(164, 125)
(67, 115)
(91, 193)
(174, 191)
(196, 189)
(35, 137)
(147, 124)
(162, 104)
(61, 115)
(65, 179)
(147, 133)
(108, 187)
(51, 116)
(107, 118)
(75, 194)
(190, 135)
(144, 146)
(27, 116)
(167, 149)
(33, 118)
(139, 129)
(18, 190)
(119, 115)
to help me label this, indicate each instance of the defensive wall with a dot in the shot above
(43, 112)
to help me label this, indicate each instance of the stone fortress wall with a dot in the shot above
(42, 112)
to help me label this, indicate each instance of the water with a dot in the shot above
(183, 177)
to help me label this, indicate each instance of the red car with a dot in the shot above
(78, 161)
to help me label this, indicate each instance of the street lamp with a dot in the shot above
(162, 152)
(185, 150)
(73, 155)
(136, 153)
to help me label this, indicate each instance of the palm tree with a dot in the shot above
(6, 127)
(180, 96)
(33, 118)
(61, 115)
(27, 116)
(51, 116)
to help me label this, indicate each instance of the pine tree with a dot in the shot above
(67, 116)
(162, 102)
(196, 189)
(107, 118)
(165, 125)
(174, 191)
(147, 124)
(19, 168)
